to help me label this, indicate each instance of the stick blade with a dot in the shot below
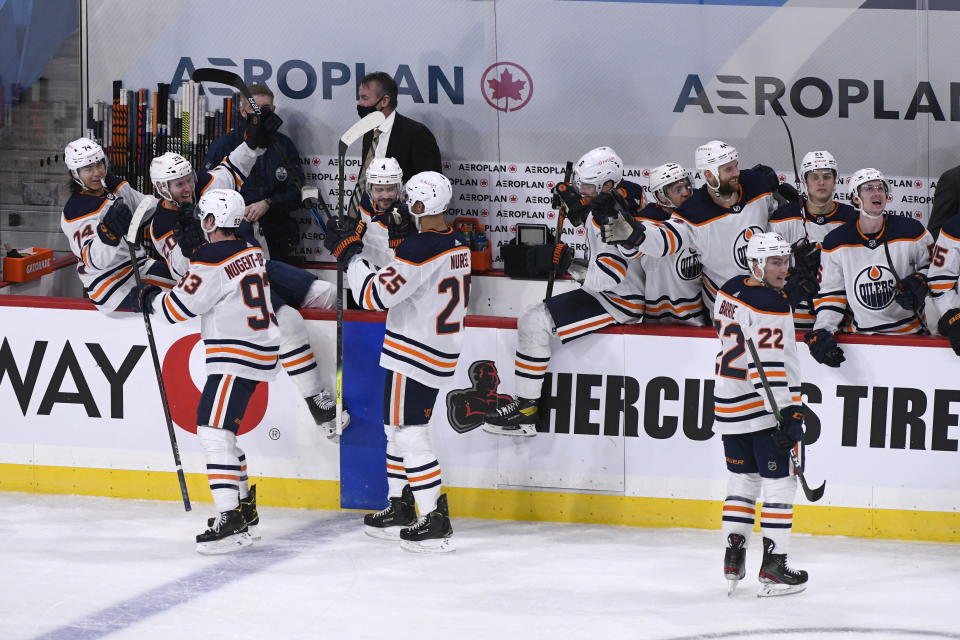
(814, 494)
(221, 76)
(367, 123)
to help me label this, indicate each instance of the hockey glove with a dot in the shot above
(400, 225)
(791, 428)
(949, 326)
(115, 223)
(577, 207)
(187, 231)
(773, 180)
(786, 193)
(345, 243)
(824, 348)
(800, 287)
(604, 207)
(262, 128)
(145, 294)
(912, 292)
(623, 230)
(806, 256)
(544, 258)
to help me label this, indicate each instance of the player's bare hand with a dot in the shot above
(255, 211)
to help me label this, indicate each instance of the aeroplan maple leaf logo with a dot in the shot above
(506, 86)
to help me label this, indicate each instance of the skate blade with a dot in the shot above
(772, 589)
(227, 545)
(435, 545)
(525, 431)
(382, 533)
(330, 430)
(732, 586)
(254, 531)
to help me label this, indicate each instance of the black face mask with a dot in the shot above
(365, 111)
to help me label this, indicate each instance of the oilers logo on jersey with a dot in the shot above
(875, 287)
(688, 265)
(740, 245)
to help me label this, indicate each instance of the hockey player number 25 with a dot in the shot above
(254, 297)
(451, 286)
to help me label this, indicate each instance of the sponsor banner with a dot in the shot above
(509, 105)
(90, 399)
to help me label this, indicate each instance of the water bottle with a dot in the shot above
(479, 241)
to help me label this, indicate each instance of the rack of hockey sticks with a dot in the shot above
(138, 125)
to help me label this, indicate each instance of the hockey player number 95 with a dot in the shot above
(452, 287)
(254, 297)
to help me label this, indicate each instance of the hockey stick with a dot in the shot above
(561, 209)
(796, 178)
(367, 123)
(812, 494)
(896, 276)
(131, 239)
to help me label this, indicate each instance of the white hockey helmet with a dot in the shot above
(662, 177)
(596, 167)
(432, 189)
(225, 205)
(860, 178)
(80, 153)
(711, 156)
(384, 171)
(165, 168)
(817, 160)
(761, 246)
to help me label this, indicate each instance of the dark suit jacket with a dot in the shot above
(946, 200)
(413, 146)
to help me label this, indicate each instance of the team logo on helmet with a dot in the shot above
(466, 407)
(281, 173)
(875, 287)
(688, 265)
(740, 246)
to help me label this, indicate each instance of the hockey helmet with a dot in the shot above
(225, 205)
(81, 153)
(817, 160)
(432, 189)
(167, 167)
(662, 177)
(596, 167)
(761, 246)
(711, 156)
(384, 171)
(862, 177)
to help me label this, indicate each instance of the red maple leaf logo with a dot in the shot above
(484, 182)
(506, 87)
(513, 198)
(551, 215)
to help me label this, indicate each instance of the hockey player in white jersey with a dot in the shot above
(873, 268)
(804, 224)
(381, 210)
(716, 222)
(673, 282)
(176, 235)
(226, 284)
(755, 445)
(612, 292)
(425, 290)
(95, 219)
(943, 277)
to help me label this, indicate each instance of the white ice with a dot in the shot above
(80, 567)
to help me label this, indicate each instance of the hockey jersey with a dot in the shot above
(425, 290)
(793, 223)
(857, 274)
(226, 285)
(104, 270)
(617, 284)
(376, 241)
(744, 310)
(718, 234)
(945, 267)
(229, 174)
(673, 285)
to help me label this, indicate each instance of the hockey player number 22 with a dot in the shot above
(451, 286)
(253, 297)
(725, 368)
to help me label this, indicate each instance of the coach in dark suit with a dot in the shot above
(410, 142)
(946, 200)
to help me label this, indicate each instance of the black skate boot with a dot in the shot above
(518, 418)
(323, 408)
(248, 507)
(386, 524)
(734, 561)
(776, 576)
(431, 533)
(227, 532)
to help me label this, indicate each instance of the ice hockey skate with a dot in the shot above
(387, 523)
(248, 507)
(518, 418)
(227, 533)
(734, 561)
(776, 576)
(323, 408)
(431, 533)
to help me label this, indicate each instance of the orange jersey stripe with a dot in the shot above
(739, 407)
(586, 326)
(530, 367)
(432, 474)
(414, 352)
(309, 356)
(227, 380)
(247, 354)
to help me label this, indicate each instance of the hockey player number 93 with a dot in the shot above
(452, 287)
(254, 297)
